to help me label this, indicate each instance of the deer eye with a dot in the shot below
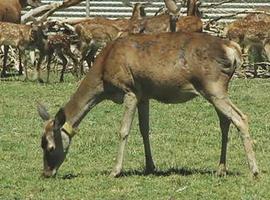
(44, 142)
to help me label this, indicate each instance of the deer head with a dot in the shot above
(172, 6)
(55, 140)
(138, 8)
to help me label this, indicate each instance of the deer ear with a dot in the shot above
(60, 119)
(43, 113)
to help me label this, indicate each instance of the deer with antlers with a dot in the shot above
(168, 67)
(10, 11)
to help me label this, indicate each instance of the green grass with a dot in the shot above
(185, 141)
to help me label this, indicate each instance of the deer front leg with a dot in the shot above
(24, 59)
(130, 103)
(224, 123)
(143, 112)
(231, 112)
(4, 70)
(49, 66)
(40, 59)
(64, 60)
(20, 63)
(75, 61)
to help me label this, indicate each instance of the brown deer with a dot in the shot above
(101, 30)
(170, 21)
(95, 33)
(168, 67)
(23, 37)
(10, 11)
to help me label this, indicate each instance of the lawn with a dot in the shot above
(185, 142)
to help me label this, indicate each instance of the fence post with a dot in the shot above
(87, 8)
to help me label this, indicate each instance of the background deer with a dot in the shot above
(133, 70)
(251, 33)
(23, 37)
(10, 11)
(97, 32)
(58, 43)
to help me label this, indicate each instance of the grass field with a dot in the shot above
(185, 142)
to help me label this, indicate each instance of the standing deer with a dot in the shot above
(95, 33)
(10, 11)
(58, 43)
(251, 33)
(168, 67)
(169, 21)
(23, 37)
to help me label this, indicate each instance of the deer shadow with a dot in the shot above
(182, 171)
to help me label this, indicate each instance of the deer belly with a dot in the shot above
(174, 94)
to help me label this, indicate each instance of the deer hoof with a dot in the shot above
(115, 173)
(256, 174)
(150, 169)
(222, 170)
(3, 74)
(40, 80)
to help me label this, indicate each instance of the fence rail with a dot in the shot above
(116, 9)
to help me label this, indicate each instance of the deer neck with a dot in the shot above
(88, 94)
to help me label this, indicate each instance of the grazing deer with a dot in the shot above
(168, 67)
(10, 11)
(23, 37)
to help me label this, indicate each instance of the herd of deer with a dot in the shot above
(92, 34)
(160, 61)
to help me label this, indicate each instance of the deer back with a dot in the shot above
(161, 63)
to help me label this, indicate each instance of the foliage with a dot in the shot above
(185, 142)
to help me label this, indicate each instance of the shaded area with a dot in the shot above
(182, 171)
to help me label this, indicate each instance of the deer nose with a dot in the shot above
(49, 173)
(51, 148)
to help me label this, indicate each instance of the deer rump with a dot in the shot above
(169, 67)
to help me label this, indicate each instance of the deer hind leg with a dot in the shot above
(64, 60)
(24, 59)
(74, 59)
(143, 113)
(232, 113)
(90, 57)
(20, 63)
(130, 103)
(4, 70)
(83, 49)
(49, 66)
(224, 123)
